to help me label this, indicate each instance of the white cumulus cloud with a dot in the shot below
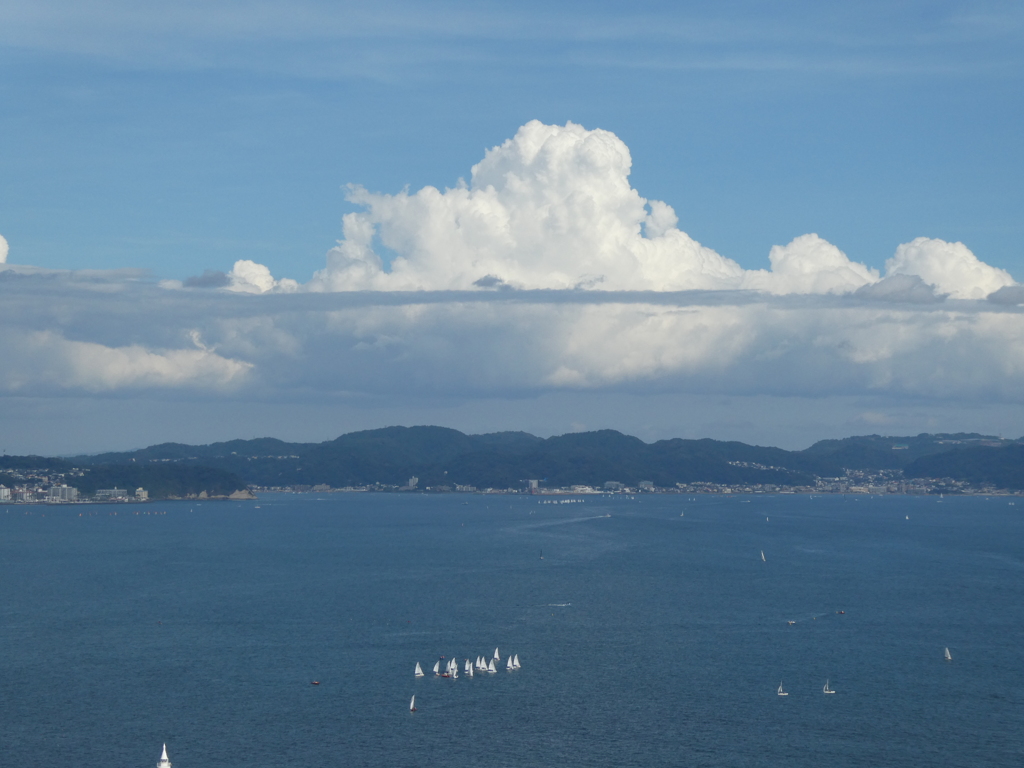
(550, 208)
(249, 277)
(809, 264)
(950, 267)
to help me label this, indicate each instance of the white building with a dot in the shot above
(111, 494)
(62, 493)
(141, 494)
(5, 493)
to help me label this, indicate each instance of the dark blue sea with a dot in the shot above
(654, 637)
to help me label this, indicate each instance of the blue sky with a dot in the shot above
(179, 139)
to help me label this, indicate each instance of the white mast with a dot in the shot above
(164, 761)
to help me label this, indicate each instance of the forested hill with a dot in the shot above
(441, 456)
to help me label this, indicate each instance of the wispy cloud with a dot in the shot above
(329, 39)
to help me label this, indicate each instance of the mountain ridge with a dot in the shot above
(441, 456)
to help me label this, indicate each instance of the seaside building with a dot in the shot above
(112, 494)
(141, 494)
(5, 493)
(58, 493)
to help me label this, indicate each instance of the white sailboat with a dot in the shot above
(496, 656)
(782, 692)
(490, 667)
(515, 663)
(762, 557)
(164, 761)
(455, 672)
(412, 703)
(826, 689)
(508, 665)
(419, 670)
(437, 667)
(470, 671)
(468, 668)
(949, 657)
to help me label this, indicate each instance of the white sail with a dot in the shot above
(467, 666)
(437, 667)
(826, 689)
(490, 667)
(164, 761)
(496, 656)
(455, 672)
(782, 692)
(516, 662)
(508, 665)
(762, 557)
(412, 703)
(948, 656)
(419, 670)
(470, 671)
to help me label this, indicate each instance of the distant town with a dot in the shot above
(888, 482)
(441, 460)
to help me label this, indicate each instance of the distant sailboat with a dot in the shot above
(469, 671)
(762, 557)
(515, 662)
(490, 667)
(948, 656)
(497, 657)
(468, 668)
(419, 670)
(412, 703)
(164, 761)
(455, 672)
(509, 665)
(437, 667)
(782, 692)
(826, 689)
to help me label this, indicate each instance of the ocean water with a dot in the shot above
(653, 637)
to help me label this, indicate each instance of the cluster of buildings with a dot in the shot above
(854, 481)
(63, 493)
